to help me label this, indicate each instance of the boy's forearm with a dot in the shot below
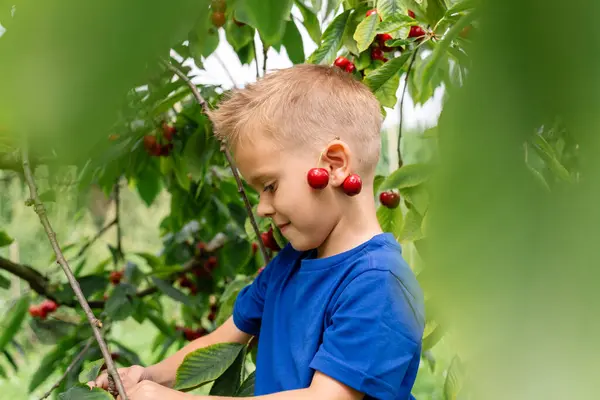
(299, 394)
(164, 371)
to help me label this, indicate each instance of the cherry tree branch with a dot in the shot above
(41, 285)
(265, 55)
(98, 235)
(69, 368)
(95, 323)
(412, 61)
(224, 149)
(117, 220)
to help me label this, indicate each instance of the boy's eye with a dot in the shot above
(269, 188)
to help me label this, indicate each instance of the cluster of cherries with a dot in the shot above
(42, 310)
(380, 48)
(192, 334)
(318, 178)
(156, 148)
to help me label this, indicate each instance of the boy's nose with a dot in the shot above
(264, 208)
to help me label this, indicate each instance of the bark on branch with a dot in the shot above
(95, 323)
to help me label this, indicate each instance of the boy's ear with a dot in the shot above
(337, 159)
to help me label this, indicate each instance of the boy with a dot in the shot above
(339, 313)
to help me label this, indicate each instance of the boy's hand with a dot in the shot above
(148, 390)
(130, 376)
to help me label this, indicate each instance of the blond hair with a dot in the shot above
(305, 105)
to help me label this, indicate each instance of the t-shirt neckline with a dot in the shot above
(309, 262)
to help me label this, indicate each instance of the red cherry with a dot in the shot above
(212, 316)
(411, 14)
(35, 311)
(218, 19)
(377, 54)
(416, 32)
(115, 277)
(168, 131)
(49, 306)
(341, 62)
(371, 12)
(211, 263)
(214, 308)
(318, 178)
(254, 248)
(151, 145)
(384, 37)
(166, 149)
(389, 199)
(350, 68)
(269, 240)
(184, 281)
(352, 185)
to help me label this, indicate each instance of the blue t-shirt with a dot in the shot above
(357, 317)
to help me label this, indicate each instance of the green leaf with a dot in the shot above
(461, 6)
(48, 364)
(119, 306)
(442, 47)
(90, 372)
(398, 42)
(454, 379)
(48, 196)
(197, 154)
(292, 40)
(153, 261)
(407, 176)
(235, 254)
(433, 338)
(172, 292)
(148, 183)
(247, 387)
(331, 40)
(391, 220)
(11, 323)
(390, 8)
(4, 282)
(50, 331)
(11, 360)
(436, 9)
(83, 392)
(238, 36)
(205, 365)
(228, 298)
(366, 31)
(310, 21)
(384, 81)
(5, 240)
(547, 153)
(278, 236)
(268, 16)
(411, 231)
(229, 383)
(395, 24)
(160, 323)
(417, 196)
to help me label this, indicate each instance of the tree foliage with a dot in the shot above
(159, 139)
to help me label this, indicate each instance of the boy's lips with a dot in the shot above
(282, 226)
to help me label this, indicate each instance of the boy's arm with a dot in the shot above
(322, 387)
(164, 371)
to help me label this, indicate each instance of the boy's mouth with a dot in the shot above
(282, 226)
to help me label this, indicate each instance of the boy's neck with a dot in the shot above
(358, 224)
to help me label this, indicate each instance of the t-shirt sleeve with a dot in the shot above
(250, 302)
(373, 341)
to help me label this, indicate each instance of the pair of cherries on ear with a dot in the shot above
(318, 178)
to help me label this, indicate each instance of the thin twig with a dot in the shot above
(95, 323)
(412, 61)
(117, 221)
(265, 56)
(69, 368)
(255, 59)
(225, 69)
(98, 235)
(232, 166)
